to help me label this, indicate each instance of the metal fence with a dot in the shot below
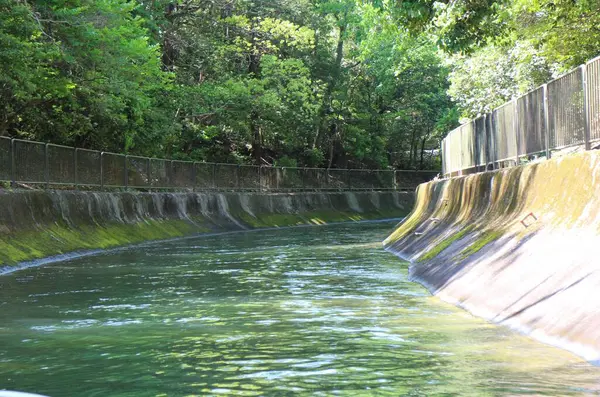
(43, 164)
(565, 113)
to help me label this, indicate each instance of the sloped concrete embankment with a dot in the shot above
(519, 247)
(38, 224)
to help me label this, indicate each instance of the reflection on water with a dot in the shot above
(321, 311)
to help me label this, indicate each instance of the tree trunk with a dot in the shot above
(327, 98)
(256, 137)
(254, 61)
(254, 70)
(332, 143)
(422, 152)
(412, 156)
(169, 53)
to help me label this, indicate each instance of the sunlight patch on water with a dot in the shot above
(307, 311)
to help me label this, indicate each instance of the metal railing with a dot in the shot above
(565, 113)
(44, 164)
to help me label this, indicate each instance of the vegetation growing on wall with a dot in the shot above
(445, 243)
(37, 224)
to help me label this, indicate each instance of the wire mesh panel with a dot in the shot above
(505, 137)
(113, 169)
(314, 178)
(5, 159)
(480, 155)
(490, 140)
(61, 164)
(447, 155)
(383, 179)
(30, 161)
(205, 176)
(360, 180)
(468, 145)
(138, 172)
(565, 110)
(337, 179)
(444, 155)
(248, 177)
(551, 117)
(593, 98)
(290, 179)
(269, 178)
(320, 178)
(226, 176)
(88, 167)
(409, 180)
(454, 144)
(182, 174)
(532, 132)
(54, 164)
(160, 170)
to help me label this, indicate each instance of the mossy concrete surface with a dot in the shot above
(38, 224)
(516, 246)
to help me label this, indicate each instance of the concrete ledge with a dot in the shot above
(38, 224)
(516, 246)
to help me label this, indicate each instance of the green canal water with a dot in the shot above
(304, 311)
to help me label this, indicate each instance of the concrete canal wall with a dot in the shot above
(519, 247)
(38, 224)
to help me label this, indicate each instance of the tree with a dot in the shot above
(331, 83)
(86, 70)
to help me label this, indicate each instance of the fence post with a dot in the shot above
(126, 172)
(237, 177)
(102, 171)
(460, 145)
(375, 181)
(214, 176)
(13, 164)
(303, 178)
(448, 156)
(395, 182)
(171, 182)
(194, 176)
(47, 168)
(442, 151)
(586, 110)
(516, 129)
(546, 121)
(347, 179)
(75, 172)
(483, 157)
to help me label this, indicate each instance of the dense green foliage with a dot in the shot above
(534, 41)
(330, 83)
(314, 83)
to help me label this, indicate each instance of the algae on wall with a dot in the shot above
(529, 256)
(439, 247)
(60, 238)
(37, 224)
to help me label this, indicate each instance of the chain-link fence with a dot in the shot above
(40, 164)
(563, 114)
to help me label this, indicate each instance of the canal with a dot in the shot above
(300, 311)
